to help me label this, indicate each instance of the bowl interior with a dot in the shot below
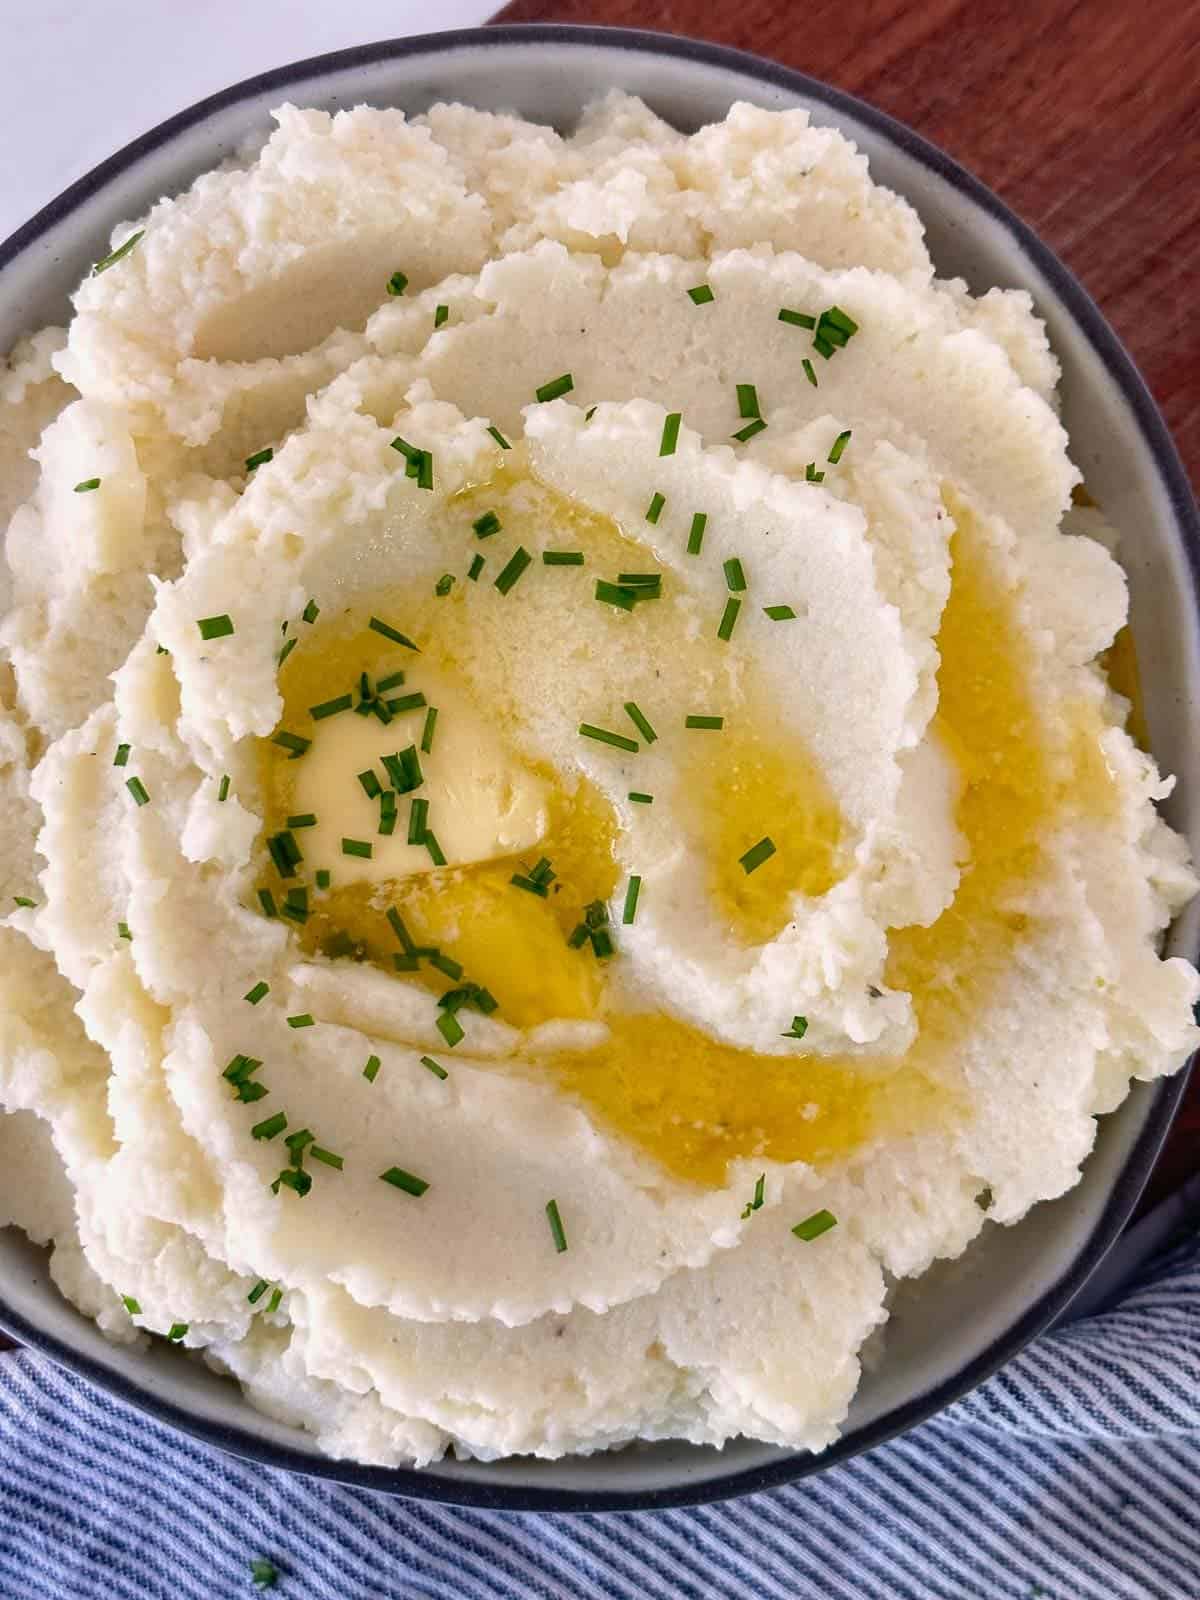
(961, 1320)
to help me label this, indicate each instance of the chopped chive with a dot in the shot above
(513, 569)
(286, 651)
(434, 1066)
(285, 853)
(445, 964)
(387, 812)
(631, 899)
(357, 847)
(302, 1019)
(809, 371)
(391, 633)
(406, 702)
(615, 594)
(813, 1227)
(486, 525)
(177, 1331)
(215, 627)
(267, 901)
(258, 992)
(131, 1305)
(823, 347)
(701, 295)
(370, 784)
(811, 475)
(780, 613)
(747, 399)
(797, 1030)
(292, 1178)
(123, 931)
(396, 923)
(449, 1027)
(839, 445)
(556, 387)
(760, 1194)
(696, 536)
(311, 612)
(475, 568)
(640, 799)
(24, 901)
(397, 283)
(404, 770)
(428, 730)
(86, 485)
(838, 318)
(223, 787)
(602, 945)
(240, 1067)
(330, 708)
(122, 756)
(269, 1127)
(436, 854)
(703, 722)
(499, 438)
(750, 430)
(375, 707)
(530, 885)
(399, 1179)
(292, 742)
(579, 936)
(418, 817)
(756, 855)
(603, 736)
(296, 904)
(271, 1308)
(303, 819)
(670, 433)
(729, 618)
(138, 790)
(562, 558)
(118, 254)
(323, 877)
(647, 585)
(595, 913)
(326, 1157)
(259, 1289)
(259, 458)
(392, 681)
(654, 509)
(638, 718)
(557, 1232)
(735, 576)
(797, 319)
(441, 314)
(371, 1070)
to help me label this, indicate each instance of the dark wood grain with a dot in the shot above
(1083, 115)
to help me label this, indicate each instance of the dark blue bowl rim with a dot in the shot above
(425, 1485)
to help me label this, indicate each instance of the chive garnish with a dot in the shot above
(735, 576)
(499, 438)
(404, 769)
(87, 485)
(747, 399)
(23, 901)
(303, 819)
(399, 1179)
(326, 1157)
(270, 1127)
(292, 742)
(357, 847)
(223, 787)
(780, 613)
(311, 612)
(654, 509)
(272, 1308)
(118, 254)
(615, 594)
(441, 314)
(729, 618)
(267, 901)
(760, 1194)
(603, 736)
(138, 790)
(809, 371)
(387, 812)
(287, 650)
(123, 931)
(486, 525)
(557, 1232)
(177, 1331)
(446, 964)
(813, 1227)
(756, 855)
(838, 319)
(513, 568)
(396, 923)
(370, 784)
(292, 1178)
(839, 445)
(701, 295)
(259, 1289)
(122, 756)
(696, 536)
(323, 877)
(703, 722)
(397, 283)
(562, 558)
(638, 718)
(434, 1066)
(648, 585)
(640, 799)
(215, 627)
(392, 681)
(371, 1070)
(798, 319)
(259, 458)
(436, 854)
(556, 387)
(258, 992)
(303, 1019)
(631, 899)
(391, 633)
(797, 1030)
(418, 817)
(750, 430)
(330, 708)
(811, 475)
(475, 568)
(602, 945)
(530, 885)
(427, 731)
(285, 853)
(406, 702)
(131, 1305)
(670, 433)
(449, 1027)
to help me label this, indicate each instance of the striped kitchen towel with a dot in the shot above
(1072, 1475)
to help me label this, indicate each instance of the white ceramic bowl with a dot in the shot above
(962, 1321)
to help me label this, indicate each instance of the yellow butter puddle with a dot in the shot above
(692, 1103)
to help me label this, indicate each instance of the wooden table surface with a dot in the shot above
(1083, 115)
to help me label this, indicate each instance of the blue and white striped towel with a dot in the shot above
(1072, 1475)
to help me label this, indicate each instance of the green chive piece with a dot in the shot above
(131, 1305)
(399, 1179)
(513, 569)
(839, 445)
(215, 627)
(428, 730)
(760, 1194)
(602, 945)
(615, 594)
(631, 899)
(223, 787)
(701, 295)
(425, 470)
(696, 536)
(756, 855)
(589, 413)
(797, 1030)
(292, 1178)
(371, 1070)
(138, 790)
(654, 509)
(259, 992)
(396, 923)
(397, 283)
(370, 784)
(406, 702)
(729, 618)
(809, 371)
(530, 885)
(780, 613)
(747, 399)
(750, 430)
(270, 1127)
(392, 681)
(259, 1289)
(24, 901)
(303, 819)
(240, 1068)
(444, 963)
(118, 254)
(404, 770)
(499, 438)
(449, 1027)
(638, 718)
(436, 854)
(418, 818)
(323, 878)
(703, 722)
(177, 1331)
(798, 319)
(87, 485)
(557, 1232)
(441, 314)
(391, 633)
(121, 758)
(640, 799)
(434, 1066)
(813, 1227)
(486, 525)
(562, 558)
(311, 612)
(603, 736)
(326, 1157)
(823, 347)
(287, 650)
(330, 708)
(836, 317)
(123, 931)
(267, 901)
(648, 585)
(259, 458)
(735, 576)
(358, 847)
(475, 568)
(670, 433)
(387, 812)
(292, 742)
(272, 1308)
(302, 1019)
(556, 387)
(811, 475)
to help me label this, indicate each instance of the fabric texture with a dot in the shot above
(1074, 1474)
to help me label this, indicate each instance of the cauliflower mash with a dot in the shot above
(564, 825)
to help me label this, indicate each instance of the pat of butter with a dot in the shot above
(482, 803)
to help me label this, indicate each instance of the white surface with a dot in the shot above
(81, 81)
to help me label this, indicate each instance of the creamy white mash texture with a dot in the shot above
(913, 1010)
